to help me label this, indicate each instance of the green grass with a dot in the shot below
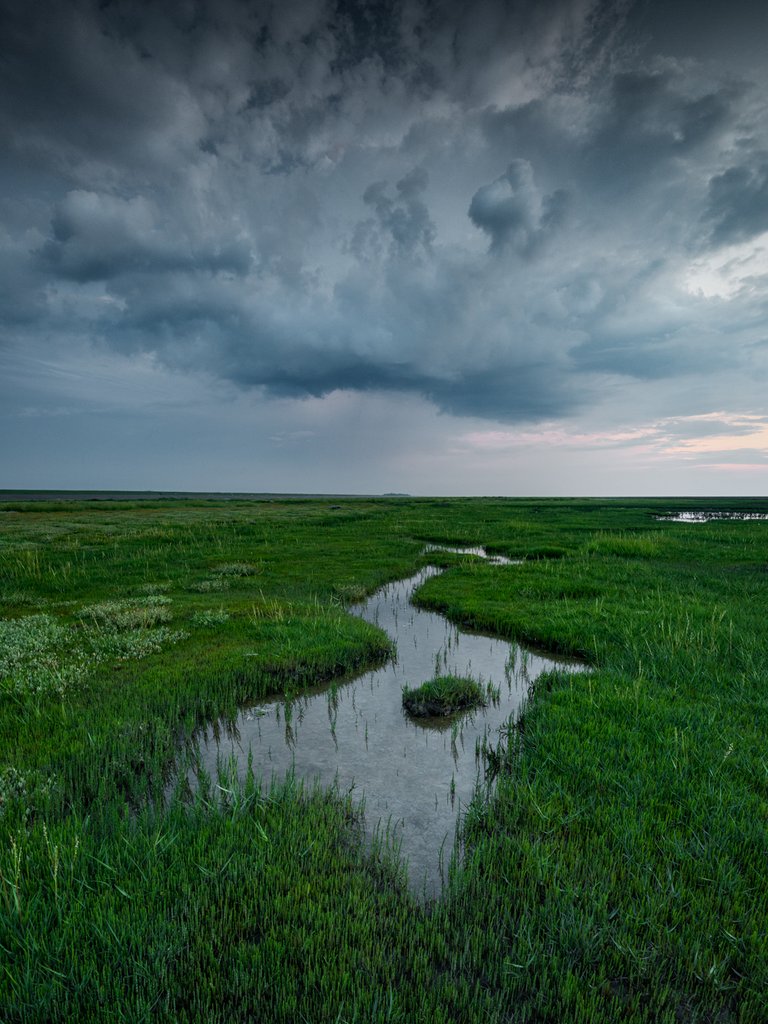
(617, 870)
(443, 695)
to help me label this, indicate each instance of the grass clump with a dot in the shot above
(210, 617)
(27, 790)
(350, 593)
(235, 569)
(130, 645)
(210, 585)
(38, 657)
(625, 545)
(132, 613)
(152, 589)
(16, 598)
(46, 656)
(443, 695)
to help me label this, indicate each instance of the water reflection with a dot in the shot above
(416, 777)
(480, 552)
(710, 517)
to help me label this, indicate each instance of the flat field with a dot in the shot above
(618, 870)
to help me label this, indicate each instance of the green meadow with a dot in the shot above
(617, 870)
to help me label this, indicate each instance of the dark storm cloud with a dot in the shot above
(513, 213)
(525, 392)
(98, 237)
(738, 202)
(649, 116)
(644, 356)
(635, 130)
(80, 91)
(402, 223)
(490, 205)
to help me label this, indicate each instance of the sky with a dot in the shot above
(504, 248)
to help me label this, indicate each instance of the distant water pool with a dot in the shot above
(710, 517)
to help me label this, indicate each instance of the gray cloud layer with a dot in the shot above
(493, 205)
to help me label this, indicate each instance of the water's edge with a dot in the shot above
(415, 776)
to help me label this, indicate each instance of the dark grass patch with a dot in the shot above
(443, 695)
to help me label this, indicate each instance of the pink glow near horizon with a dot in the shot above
(668, 437)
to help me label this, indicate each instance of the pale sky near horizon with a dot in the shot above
(427, 247)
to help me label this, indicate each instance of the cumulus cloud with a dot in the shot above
(512, 212)
(100, 236)
(495, 206)
(401, 224)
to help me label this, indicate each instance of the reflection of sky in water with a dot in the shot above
(480, 552)
(709, 517)
(415, 778)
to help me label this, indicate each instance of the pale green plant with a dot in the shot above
(42, 656)
(130, 613)
(207, 586)
(236, 569)
(106, 645)
(152, 589)
(38, 656)
(21, 598)
(210, 617)
(349, 593)
(27, 790)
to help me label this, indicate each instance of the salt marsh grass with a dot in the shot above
(210, 585)
(130, 613)
(625, 545)
(616, 871)
(444, 695)
(236, 569)
(45, 656)
(210, 617)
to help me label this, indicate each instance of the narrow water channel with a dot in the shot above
(416, 776)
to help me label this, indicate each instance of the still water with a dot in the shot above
(416, 776)
(702, 516)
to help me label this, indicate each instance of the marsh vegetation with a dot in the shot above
(415, 776)
(614, 871)
(444, 696)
